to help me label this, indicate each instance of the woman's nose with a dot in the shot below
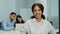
(37, 11)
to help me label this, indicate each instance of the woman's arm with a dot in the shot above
(51, 28)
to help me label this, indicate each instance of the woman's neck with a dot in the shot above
(38, 19)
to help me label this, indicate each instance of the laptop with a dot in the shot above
(19, 26)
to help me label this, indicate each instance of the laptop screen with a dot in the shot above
(19, 26)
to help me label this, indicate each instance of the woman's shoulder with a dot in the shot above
(46, 21)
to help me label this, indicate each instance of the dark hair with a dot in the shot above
(41, 16)
(40, 6)
(12, 13)
(19, 17)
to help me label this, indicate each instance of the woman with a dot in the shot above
(38, 25)
(19, 20)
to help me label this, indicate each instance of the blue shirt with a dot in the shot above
(8, 25)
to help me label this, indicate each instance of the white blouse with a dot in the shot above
(33, 27)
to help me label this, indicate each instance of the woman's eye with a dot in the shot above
(35, 10)
(39, 10)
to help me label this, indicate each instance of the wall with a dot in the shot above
(22, 4)
(53, 12)
(23, 8)
(6, 6)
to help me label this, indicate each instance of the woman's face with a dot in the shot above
(37, 12)
(19, 19)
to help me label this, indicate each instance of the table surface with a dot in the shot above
(15, 32)
(9, 32)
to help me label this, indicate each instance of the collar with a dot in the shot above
(34, 20)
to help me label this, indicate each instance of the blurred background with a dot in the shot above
(23, 8)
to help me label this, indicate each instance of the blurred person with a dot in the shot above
(8, 23)
(19, 20)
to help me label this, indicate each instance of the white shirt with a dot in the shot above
(33, 27)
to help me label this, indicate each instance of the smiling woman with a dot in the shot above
(38, 25)
(37, 10)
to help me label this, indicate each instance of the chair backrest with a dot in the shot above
(0, 25)
(51, 23)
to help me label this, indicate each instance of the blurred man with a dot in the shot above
(8, 23)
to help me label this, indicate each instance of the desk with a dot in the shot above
(9, 32)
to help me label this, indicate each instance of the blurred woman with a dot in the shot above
(19, 20)
(38, 24)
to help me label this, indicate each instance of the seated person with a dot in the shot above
(19, 20)
(8, 23)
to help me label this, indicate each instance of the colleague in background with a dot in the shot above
(38, 25)
(19, 20)
(8, 23)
